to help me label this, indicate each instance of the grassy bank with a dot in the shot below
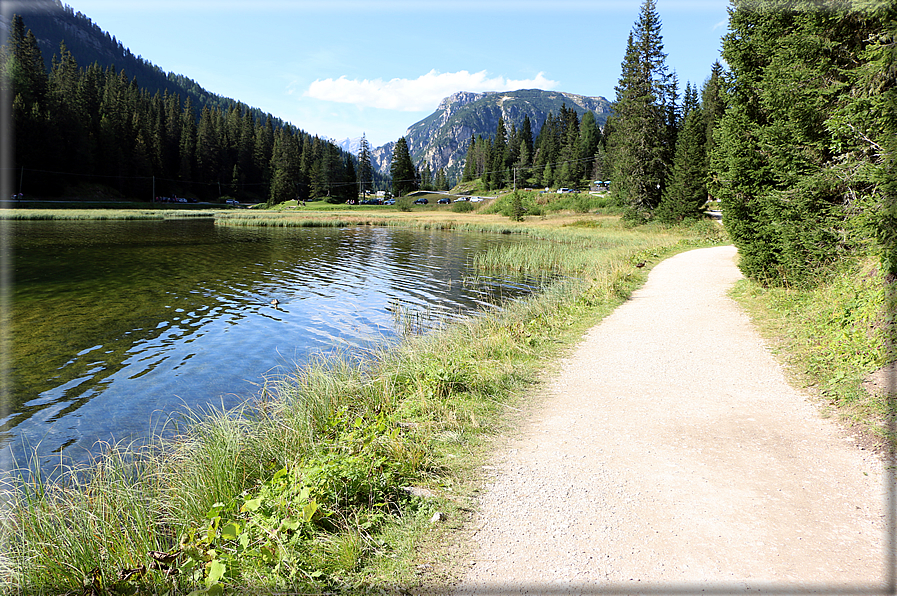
(330, 479)
(838, 340)
(99, 214)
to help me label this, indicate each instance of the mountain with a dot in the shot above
(442, 138)
(352, 146)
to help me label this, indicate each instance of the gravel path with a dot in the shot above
(671, 456)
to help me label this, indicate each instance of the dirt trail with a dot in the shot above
(670, 455)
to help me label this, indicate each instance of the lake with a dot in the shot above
(115, 325)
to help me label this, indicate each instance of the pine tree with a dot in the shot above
(25, 66)
(499, 176)
(426, 177)
(640, 144)
(365, 167)
(187, 145)
(402, 170)
(587, 145)
(712, 105)
(208, 150)
(285, 168)
(525, 156)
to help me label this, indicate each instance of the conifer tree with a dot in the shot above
(285, 168)
(800, 148)
(587, 144)
(365, 167)
(470, 162)
(712, 106)
(525, 156)
(498, 176)
(402, 170)
(640, 144)
(187, 145)
(686, 193)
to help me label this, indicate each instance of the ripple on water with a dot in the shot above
(131, 321)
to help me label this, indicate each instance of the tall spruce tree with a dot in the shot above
(498, 166)
(587, 145)
(641, 139)
(402, 170)
(285, 168)
(365, 167)
(525, 156)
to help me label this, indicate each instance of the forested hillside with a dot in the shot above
(78, 126)
(566, 152)
(53, 22)
(441, 140)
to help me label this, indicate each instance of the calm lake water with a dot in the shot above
(116, 325)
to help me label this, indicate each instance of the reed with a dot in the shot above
(98, 214)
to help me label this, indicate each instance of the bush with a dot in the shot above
(463, 207)
(515, 205)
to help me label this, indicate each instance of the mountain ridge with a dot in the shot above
(442, 138)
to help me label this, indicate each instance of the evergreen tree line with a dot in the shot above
(796, 139)
(52, 20)
(564, 153)
(804, 156)
(93, 125)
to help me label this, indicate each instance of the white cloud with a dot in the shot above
(416, 95)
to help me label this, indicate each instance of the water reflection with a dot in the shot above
(113, 321)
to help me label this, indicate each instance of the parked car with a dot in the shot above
(443, 201)
(389, 202)
(462, 200)
(476, 199)
(421, 202)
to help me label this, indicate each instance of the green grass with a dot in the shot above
(832, 336)
(304, 488)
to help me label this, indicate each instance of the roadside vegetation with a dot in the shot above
(837, 338)
(330, 479)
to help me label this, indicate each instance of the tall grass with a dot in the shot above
(98, 214)
(304, 487)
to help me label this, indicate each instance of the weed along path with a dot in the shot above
(670, 455)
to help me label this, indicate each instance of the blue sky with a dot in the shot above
(340, 68)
